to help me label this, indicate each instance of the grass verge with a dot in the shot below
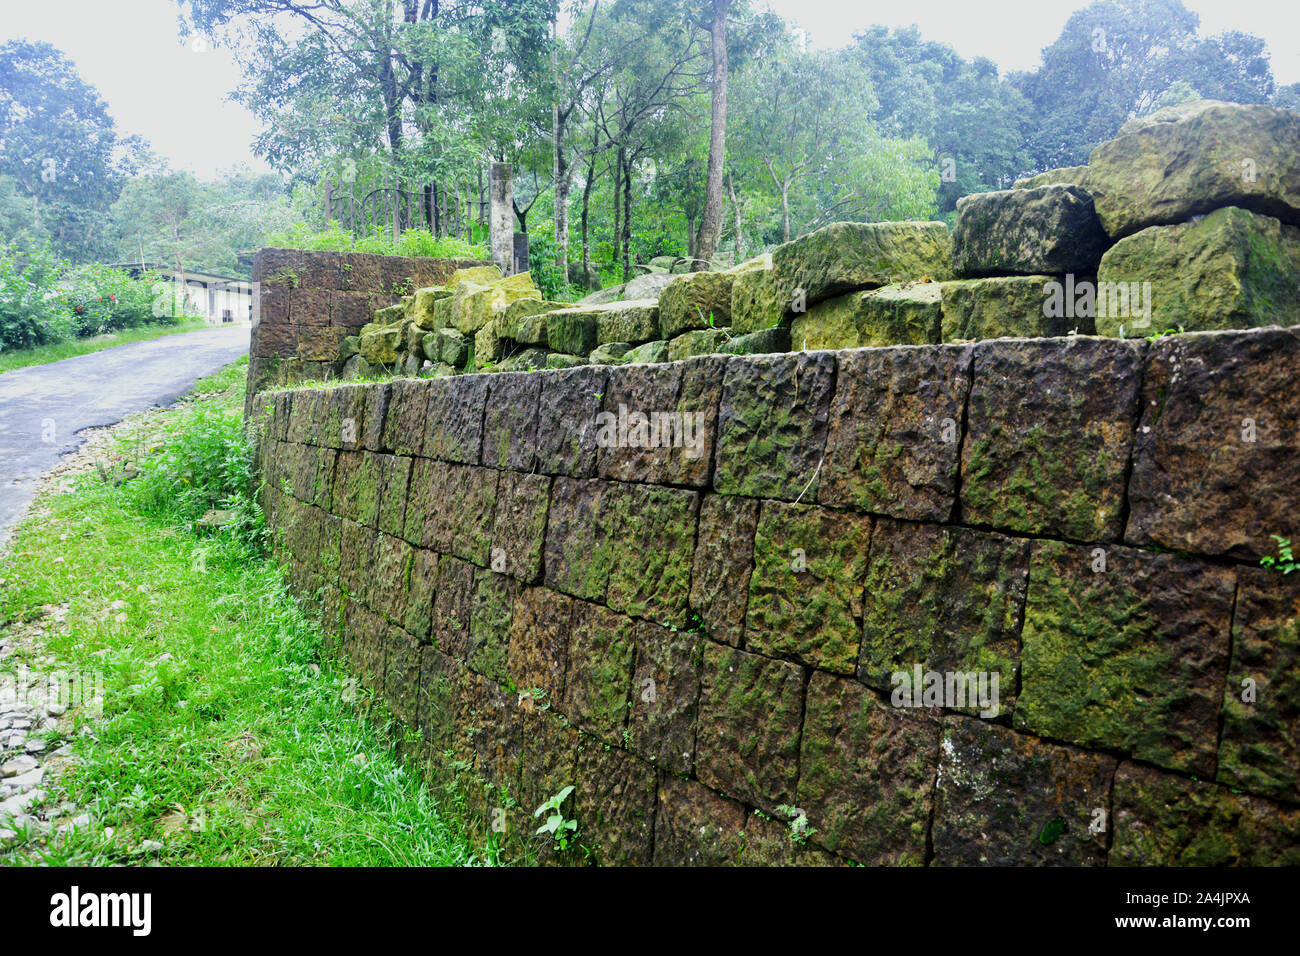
(225, 735)
(44, 354)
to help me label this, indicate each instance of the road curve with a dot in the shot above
(43, 408)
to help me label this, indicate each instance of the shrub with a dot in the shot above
(205, 463)
(541, 263)
(31, 308)
(104, 299)
(413, 242)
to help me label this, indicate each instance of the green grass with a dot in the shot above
(43, 354)
(225, 734)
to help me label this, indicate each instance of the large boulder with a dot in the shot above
(906, 314)
(656, 351)
(480, 275)
(1064, 176)
(763, 342)
(631, 321)
(389, 314)
(508, 321)
(1232, 269)
(648, 286)
(1009, 307)
(489, 347)
(695, 300)
(846, 256)
(451, 348)
(609, 353)
(603, 296)
(379, 345)
(1195, 157)
(572, 331)
(562, 360)
(758, 300)
(531, 329)
(529, 360)
(697, 342)
(355, 367)
(423, 309)
(470, 307)
(1027, 232)
(473, 306)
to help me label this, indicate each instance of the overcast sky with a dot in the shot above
(158, 86)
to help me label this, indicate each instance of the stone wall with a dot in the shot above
(704, 638)
(308, 305)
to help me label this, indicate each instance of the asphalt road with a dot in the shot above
(43, 408)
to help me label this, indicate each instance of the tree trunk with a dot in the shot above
(711, 222)
(785, 211)
(627, 223)
(618, 203)
(559, 175)
(586, 209)
(563, 180)
(735, 211)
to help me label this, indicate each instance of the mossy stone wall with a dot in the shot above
(700, 643)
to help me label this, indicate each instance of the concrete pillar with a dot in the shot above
(501, 242)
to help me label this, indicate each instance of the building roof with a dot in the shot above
(197, 274)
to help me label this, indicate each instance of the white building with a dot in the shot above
(216, 297)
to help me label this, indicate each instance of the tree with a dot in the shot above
(172, 217)
(1116, 59)
(411, 78)
(711, 223)
(59, 146)
(974, 121)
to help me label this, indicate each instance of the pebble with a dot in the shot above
(19, 765)
(80, 822)
(27, 780)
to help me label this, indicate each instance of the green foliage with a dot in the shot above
(800, 831)
(43, 301)
(413, 242)
(228, 735)
(1285, 560)
(59, 147)
(1122, 58)
(1052, 830)
(205, 464)
(1157, 336)
(563, 830)
(104, 299)
(553, 283)
(171, 217)
(32, 312)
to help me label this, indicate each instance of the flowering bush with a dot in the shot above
(103, 299)
(44, 300)
(31, 309)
